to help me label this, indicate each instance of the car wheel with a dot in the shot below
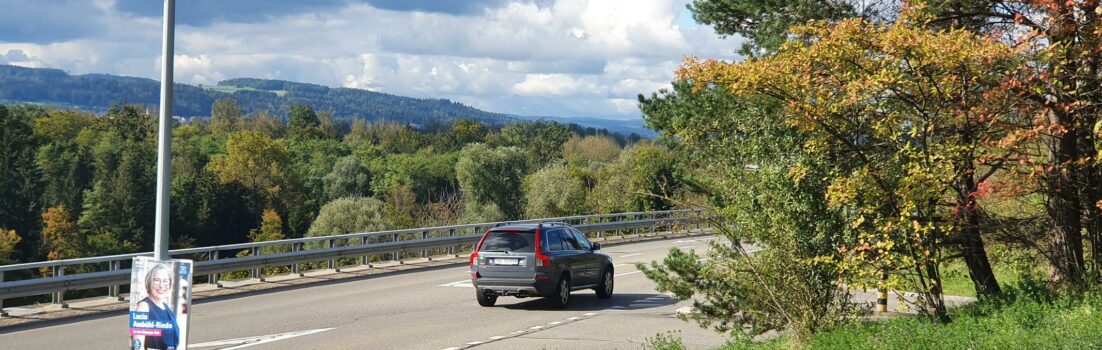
(562, 294)
(486, 300)
(604, 289)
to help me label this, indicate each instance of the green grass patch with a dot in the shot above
(229, 89)
(1025, 320)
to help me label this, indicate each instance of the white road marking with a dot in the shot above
(452, 348)
(589, 314)
(555, 323)
(573, 318)
(628, 273)
(459, 284)
(496, 337)
(476, 342)
(693, 240)
(686, 247)
(630, 255)
(241, 343)
(618, 265)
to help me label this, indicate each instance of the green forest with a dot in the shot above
(76, 184)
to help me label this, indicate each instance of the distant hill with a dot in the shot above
(97, 92)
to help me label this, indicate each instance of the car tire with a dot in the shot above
(561, 297)
(486, 300)
(604, 289)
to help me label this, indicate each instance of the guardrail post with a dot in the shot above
(333, 262)
(2, 312)
(295, 247)
(635, 229)
(396, 255)
(363, 259)
(425, 252)
(256, 271)
(451, 248)
(59, 297)
(697, 214)
(113, 291)
(214, 276)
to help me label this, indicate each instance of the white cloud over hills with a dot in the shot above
(565, 57)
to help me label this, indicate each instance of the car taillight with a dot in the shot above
(541, 260)
(477, 247)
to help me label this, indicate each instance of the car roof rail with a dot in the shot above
(554, 223)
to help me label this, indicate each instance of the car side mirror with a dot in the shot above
(596, 246)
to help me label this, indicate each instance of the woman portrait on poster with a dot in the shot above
(158, 304)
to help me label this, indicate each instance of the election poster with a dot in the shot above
(160, 299)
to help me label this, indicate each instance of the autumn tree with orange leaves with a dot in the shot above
(916, 118)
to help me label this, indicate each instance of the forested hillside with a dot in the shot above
(98, 92)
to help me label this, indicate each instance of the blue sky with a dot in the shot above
(573, 58)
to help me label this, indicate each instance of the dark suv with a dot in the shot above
(548, 259)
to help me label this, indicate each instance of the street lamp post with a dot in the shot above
(164, 140)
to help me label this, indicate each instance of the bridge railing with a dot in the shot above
(325, 252)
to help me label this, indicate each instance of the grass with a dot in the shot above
(229, 89)
(955, 279)
(1024, 320)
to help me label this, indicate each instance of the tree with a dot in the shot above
(461, 133)
(429, 176)
(541, 140)
(264, 122)
(271, 229)
(644, 177)
(590, 149)
(63, 158)
(349, 178)
(302, 116)
(765, 23)
(741, 156)
(349, 215)
(916, 112)
(400, 205)
(8, 240)
(258, 163)
(225, 116)
(61, 239)
(117, 211)
(20, 178)
(208, 211)
(553, 192)
(490, 179)
(1061, 41)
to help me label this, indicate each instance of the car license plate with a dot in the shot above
(506, 261)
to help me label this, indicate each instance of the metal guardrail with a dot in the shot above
(108, 271)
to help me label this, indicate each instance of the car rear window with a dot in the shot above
(509, 241)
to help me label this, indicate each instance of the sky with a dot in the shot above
(569, 58)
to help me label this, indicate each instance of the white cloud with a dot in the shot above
(556, 85)
(564, 57)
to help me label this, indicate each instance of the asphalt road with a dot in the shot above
(428, 309)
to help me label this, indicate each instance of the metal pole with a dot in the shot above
(2, 312)
(164, 139)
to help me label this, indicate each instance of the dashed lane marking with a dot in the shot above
(630, 255)
(513, 334)
(628, 273)
(241, 343)
(458, 284)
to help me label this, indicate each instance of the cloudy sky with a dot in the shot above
(571, 58)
